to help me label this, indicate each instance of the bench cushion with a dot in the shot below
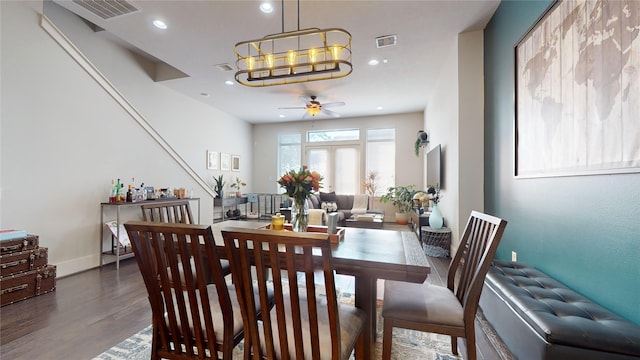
(554, 314)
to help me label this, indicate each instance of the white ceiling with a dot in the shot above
(202, 34)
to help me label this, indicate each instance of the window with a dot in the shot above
(338, 164)
(381, 158)
(333, 135)
(289, 154)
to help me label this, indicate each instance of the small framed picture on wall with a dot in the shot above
(212, 160)
(225, 162)
(235, 162)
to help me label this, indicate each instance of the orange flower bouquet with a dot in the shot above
(299, 185)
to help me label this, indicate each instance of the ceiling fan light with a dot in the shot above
(313, 110)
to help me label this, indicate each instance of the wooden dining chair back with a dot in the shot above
(191, 318)
(449, 310)
(303, 324)
(178, 211)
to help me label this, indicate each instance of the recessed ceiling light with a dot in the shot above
(385, 61)
(373, 62)
(204, 94)
(229, 82)
(281, 115)
(379, 108)
(266, 8)
(160, 24)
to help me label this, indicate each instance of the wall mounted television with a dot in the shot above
(434, 167)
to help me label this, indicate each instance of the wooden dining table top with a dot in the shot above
(383, 254)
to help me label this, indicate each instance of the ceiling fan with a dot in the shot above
(313, 107)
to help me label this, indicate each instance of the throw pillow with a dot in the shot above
(328, 196)
(315, 200)
(329, 206)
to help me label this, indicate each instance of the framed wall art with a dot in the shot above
(235, 162)
(578, 91)
(225, 162)
(212, 160)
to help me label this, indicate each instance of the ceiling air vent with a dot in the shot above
(224, 67)
(107, 9)
(387, 40)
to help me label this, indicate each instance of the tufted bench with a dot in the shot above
(539, 318)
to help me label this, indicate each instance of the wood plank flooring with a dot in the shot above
(91, 311)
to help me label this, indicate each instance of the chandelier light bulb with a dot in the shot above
(312, 55)
(250, 62)
(269, 60)
(291, 56)
(335, 52)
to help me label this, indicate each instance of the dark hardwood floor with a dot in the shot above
(91, 311)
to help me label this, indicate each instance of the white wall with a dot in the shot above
(471, 125)
(409, 168)
(62, 138)
(454, 118)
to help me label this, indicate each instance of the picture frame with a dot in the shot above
(235, 162)
(212, 160)
(225, 162)
(574, 95)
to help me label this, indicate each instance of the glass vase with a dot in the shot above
(435, 219)
(300, 215)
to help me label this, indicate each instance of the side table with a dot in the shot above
(436, 242)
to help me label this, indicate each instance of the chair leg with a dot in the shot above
(454, 345)
(471, 342)
(387, 339)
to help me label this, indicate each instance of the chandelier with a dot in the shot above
(294, 57)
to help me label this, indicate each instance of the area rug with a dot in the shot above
(407, 344)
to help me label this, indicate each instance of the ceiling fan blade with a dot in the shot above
(334, 104)
(305, 99)
(330, 113)
(293, 107)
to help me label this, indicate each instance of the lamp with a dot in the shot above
(294, 57)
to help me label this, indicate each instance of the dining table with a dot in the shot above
(367, 255)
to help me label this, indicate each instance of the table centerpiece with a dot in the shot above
(299, 185)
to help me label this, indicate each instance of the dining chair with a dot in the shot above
(303, 323)
(191, 317)
(178, 211)
(449, 310)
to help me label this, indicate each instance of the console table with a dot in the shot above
(418, 221)
(228, 202)
(115, 247)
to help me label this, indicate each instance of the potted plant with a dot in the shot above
(421, 140)
(238, 184)
(219, 188)
(402, 198)
(370, 183)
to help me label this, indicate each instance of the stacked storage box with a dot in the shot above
(24, 268)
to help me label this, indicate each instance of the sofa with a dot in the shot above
(537, 317)
(342, 205)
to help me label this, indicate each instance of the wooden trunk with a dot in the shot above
(29, 242)
(28, 284)
(22, 261)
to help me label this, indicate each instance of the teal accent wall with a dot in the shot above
(582, 230)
